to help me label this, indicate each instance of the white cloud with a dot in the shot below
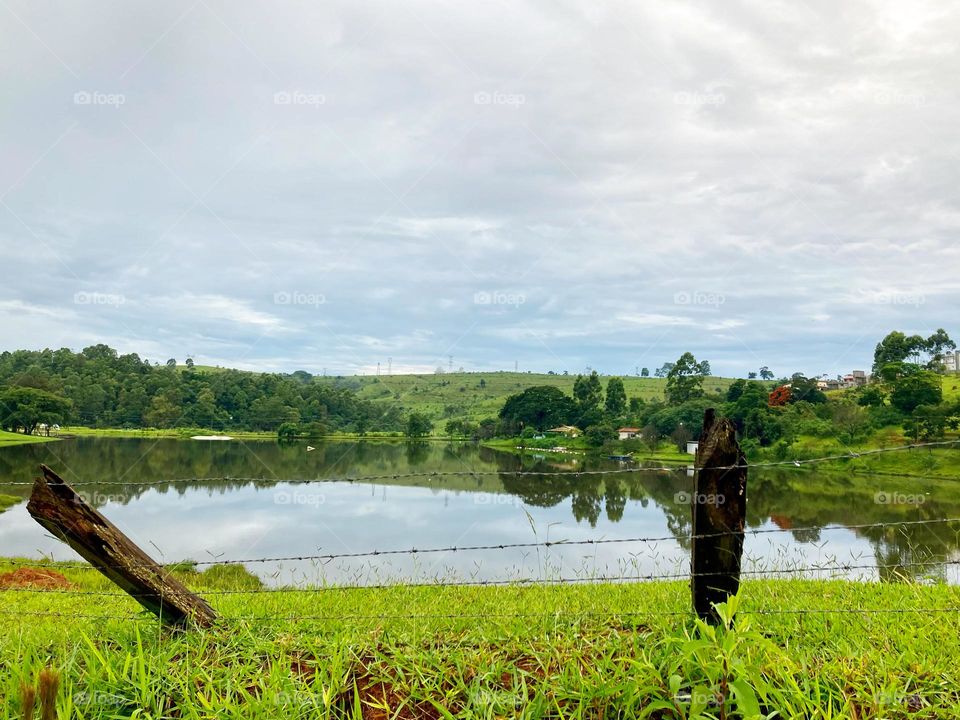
(796, 159)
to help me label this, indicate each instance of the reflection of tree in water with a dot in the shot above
(586, 503)
(417, 453)
(615, 500)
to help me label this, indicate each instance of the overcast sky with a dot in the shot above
(287, 186)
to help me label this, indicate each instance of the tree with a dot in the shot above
(765, 373)
(897, 347)
(685, 380)
(588, 392)
(650, 437)
(736, 390)
(871, 396)
(680, 437)
(803, 389)
(705, 368)
(597, 435)
(664, 370)
(418, 425)
(937, 346)
(917, 387)
(542, 407)
(24, 408)
(164, 411)
(645, 372)
(929, 422)
(171, 363)
(616, 403)
(189, 363)
(751, 376)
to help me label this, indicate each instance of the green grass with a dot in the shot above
(460, 395)
(598, 651)
(183, 433)
(9, 438)
(8, 501)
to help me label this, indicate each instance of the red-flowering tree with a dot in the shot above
(779, 397)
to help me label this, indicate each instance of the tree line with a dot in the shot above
(97, 387)
(905, 391)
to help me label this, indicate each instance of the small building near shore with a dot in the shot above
(565, 430)
(628, 433)
(693, 446)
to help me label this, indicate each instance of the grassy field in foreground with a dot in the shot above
(599, 651)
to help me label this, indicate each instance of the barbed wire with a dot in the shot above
(486, 473)
(546, 544)
(834, 566)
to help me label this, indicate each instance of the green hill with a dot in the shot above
(477, 395)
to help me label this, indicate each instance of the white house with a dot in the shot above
(628, 433)
(693, 446)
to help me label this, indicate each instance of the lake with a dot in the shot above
(206, 501)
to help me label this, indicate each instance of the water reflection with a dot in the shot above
(246, 507)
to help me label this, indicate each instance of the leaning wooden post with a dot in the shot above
(719, 516)
(62, 511)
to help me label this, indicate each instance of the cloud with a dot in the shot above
(399, 161)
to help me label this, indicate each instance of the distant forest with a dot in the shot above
(99, 388)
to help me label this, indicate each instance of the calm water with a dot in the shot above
(258, 513)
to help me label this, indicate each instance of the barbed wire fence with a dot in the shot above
(831, 568)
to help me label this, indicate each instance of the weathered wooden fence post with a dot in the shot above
(62, 511)
(719, 515)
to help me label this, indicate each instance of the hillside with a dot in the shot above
(474, 396)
